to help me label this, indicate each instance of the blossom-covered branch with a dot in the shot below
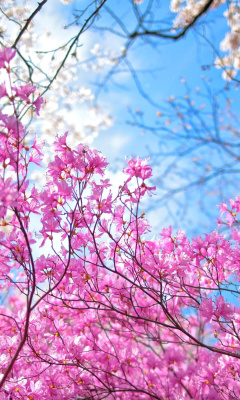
(91, 305)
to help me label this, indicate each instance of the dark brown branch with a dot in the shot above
(29, 302)
(160, 34)
(40, 5)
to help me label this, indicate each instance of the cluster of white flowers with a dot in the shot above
(9, 11)
(187, 10)
(231, 43)
(101, 58)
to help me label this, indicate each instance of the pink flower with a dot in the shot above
(223, 207)
(60, 144)
(38, 103)
(223, 309)
(8, 195)
(3, 91)
(35, 157)
(139, 168)
(96, 162)
(36, 390)
(6, 55)
(24, 91)
(206, 309)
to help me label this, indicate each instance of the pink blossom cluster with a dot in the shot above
(100, 310)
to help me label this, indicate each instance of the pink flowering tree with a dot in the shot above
(92, 307)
